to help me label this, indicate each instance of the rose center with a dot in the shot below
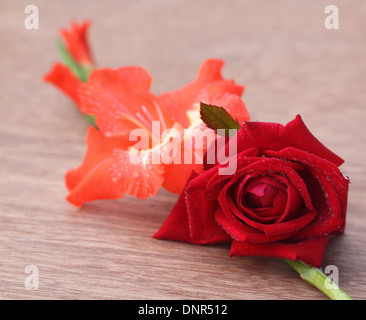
(260, 196)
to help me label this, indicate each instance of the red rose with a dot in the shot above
(284, 200)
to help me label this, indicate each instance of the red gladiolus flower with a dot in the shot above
(122, 102)
(76, 43)
(68, 76)
(285, 199)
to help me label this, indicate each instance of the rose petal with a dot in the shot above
(274, 136)
(262, 190)
(248, 165)
(250, 153)
(330, 218)
(198, 228)
(176, 226)
(310, 251)
(243, 232)
(329, 180)
(264, 166)
(263, 215)
(293, 205)
(201, 212)
(304, 218)
(295, 179)
(325, 167)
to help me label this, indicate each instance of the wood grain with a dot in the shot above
(289, 63)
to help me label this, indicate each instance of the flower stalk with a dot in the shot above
(318, 279)
(77, 69)
(81, 72)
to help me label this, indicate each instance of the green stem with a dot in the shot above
(318, 279)
(81, 72)
(78, 70)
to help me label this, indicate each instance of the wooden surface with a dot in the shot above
(289, 63)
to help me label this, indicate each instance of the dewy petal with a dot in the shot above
(331, 214)
(293, 204)
(329, 189)
(243, 232)
(65, 80)
(201, 212)
(140, 180)
(99, 149)
(208, 85)
(252, 230)
(244, 160)
(193, 147)
(95, 185)
(176, 226)
(121, 101)
(274, 136)
(195, 226)
(297, 182)
(107, 172)
(76, 42)
(283, 228)
(310, 251)
(264, 215)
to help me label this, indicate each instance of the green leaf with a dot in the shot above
(218, 118)
(91, 119)
(69, 61)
